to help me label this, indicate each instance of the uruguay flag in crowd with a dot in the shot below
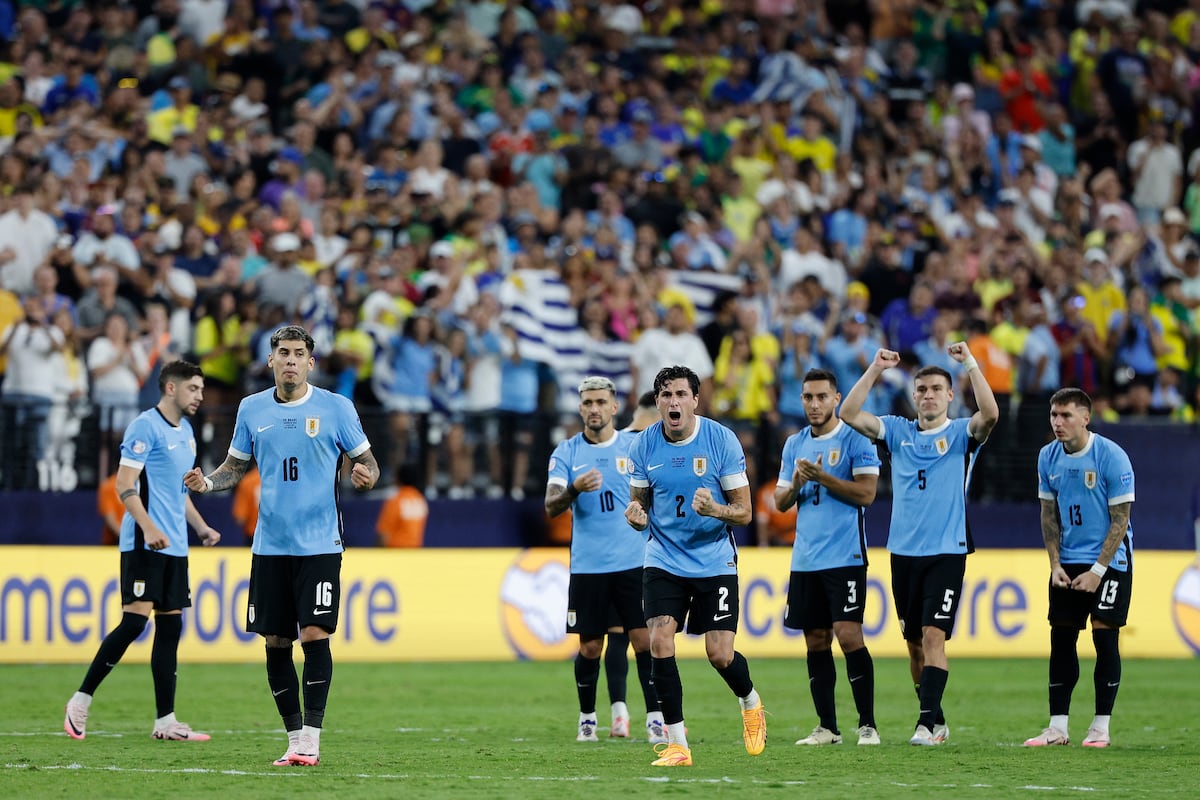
(702, 288)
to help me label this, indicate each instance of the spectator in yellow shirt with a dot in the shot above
(182, 113)
(812, 143)
(1100, 293)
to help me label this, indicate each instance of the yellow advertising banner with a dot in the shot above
(57, 603)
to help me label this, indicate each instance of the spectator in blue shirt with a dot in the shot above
(907, 321)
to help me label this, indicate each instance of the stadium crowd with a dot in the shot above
(472, 204)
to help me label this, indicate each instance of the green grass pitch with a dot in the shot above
(507, 731)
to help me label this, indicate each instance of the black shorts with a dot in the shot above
(927, 589)
(1109, 603)
(157, 578)
(292, 592)
(598, 601)
(706, 604)
(818, 599)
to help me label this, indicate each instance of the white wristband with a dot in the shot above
(208, 484)
(1098, 569)
(970, 363)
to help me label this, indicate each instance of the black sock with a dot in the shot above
(318, 672)
(737, 675)
(1064, 668)
(822, 677)
(669, 688)
(164, 656)
(933, 686)
(616, 666)
(860, 671)
(940, 717)
(111, 650)
(644, 669)
(1108, 668)
(587, 674)
(285, 686)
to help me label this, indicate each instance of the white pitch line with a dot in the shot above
(294, 772)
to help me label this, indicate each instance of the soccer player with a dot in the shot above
(679, 466)
(830, 472)
(588, 474)
(297, 434)
(1085, 484)
(158, 448)
(928, 538)
(616, 657)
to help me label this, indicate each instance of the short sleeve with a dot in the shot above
(733, 462)
(242, 445)
(137, 443)
(558, 472)
(350, 435)
(864, 460)
(785, 463)
(638, 477)
(1045, 490)
(1118, 475)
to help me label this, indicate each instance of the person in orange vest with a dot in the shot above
(775, 527)
(111, 510)
(245, 503)
(402, 516)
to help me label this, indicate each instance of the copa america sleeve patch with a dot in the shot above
(138, 446)
(553, 463)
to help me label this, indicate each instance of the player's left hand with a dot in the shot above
(959, 351)
(360, 476)
(703, 503)
(1086, 582)
(209, 537)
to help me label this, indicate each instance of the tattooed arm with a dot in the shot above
(636, 513)
(223, 477)
(1052, 538)
(365, 472)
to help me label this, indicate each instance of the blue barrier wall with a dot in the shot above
(1166, 460)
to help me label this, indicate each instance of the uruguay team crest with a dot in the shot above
(250, 613)
(139, 588)
(571, 619)
(1089, 479)
(312, 426)
(835, 455)
(699, 466)
(942, 446)
(623, 465)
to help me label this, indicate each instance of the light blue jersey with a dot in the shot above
(829, 530)
(163, 452)
(1084, 485)
(683, 542)
(930, 473)
(298, 447)
(601, 539)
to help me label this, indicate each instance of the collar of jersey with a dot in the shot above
(688, 440)
(829, 435)
(1083, 451)
(932, 431)
(298, 401)
(611, 441)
